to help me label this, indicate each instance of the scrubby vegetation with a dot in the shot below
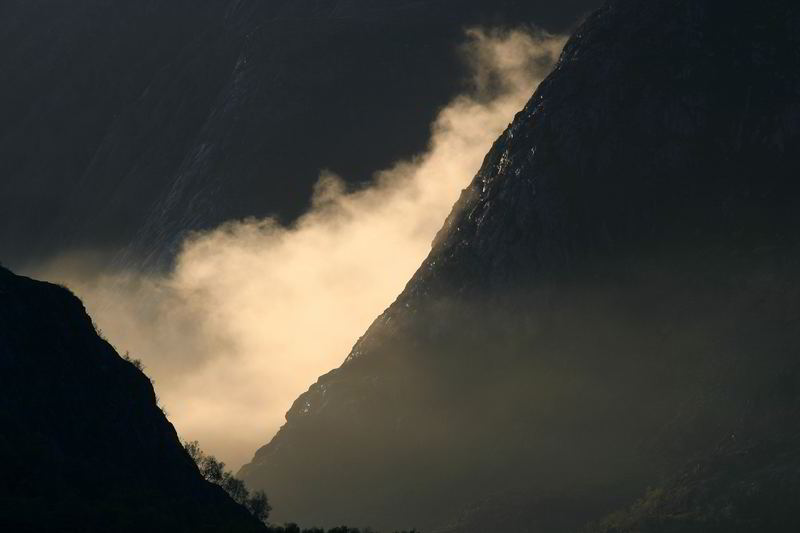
(294, 528)
(135, 362)
(214, 471)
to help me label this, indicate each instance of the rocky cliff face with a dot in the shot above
(85, 446)
(614, 293)
(129, 123)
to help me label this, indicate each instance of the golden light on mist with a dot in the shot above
(254, 312)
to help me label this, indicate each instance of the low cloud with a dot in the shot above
(253, 311)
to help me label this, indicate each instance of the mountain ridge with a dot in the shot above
(610, 292)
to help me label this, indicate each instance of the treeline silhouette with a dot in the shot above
(213, 470)
(294, 528)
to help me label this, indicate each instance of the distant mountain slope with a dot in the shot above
(615, 291)
(85, 447)
(124, 124)
(749, 481)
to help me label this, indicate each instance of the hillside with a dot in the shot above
(614, 294)
(85, 445)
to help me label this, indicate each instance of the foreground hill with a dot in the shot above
(85, 446)
(614, 295)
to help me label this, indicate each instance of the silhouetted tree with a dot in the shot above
(135, 362)
(234, 487)
(214, 471)
(258, 505)
(194, 451)
(294, 528)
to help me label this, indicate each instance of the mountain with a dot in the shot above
(124, 124)
(613, 296)
(86, 447)
(741, 486)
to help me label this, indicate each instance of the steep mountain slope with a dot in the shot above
(613, 294)
(85, 446)
(127, 121)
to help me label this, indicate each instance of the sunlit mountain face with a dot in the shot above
(457, 266)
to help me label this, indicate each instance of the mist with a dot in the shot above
(254, 311)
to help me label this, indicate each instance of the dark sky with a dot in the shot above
(125, 124)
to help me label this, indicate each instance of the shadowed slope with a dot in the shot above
(85, 446)
(608, 296)
(134, 122)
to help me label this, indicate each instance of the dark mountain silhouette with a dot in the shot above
(127, 124)
(85, 446)
(612, 300)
